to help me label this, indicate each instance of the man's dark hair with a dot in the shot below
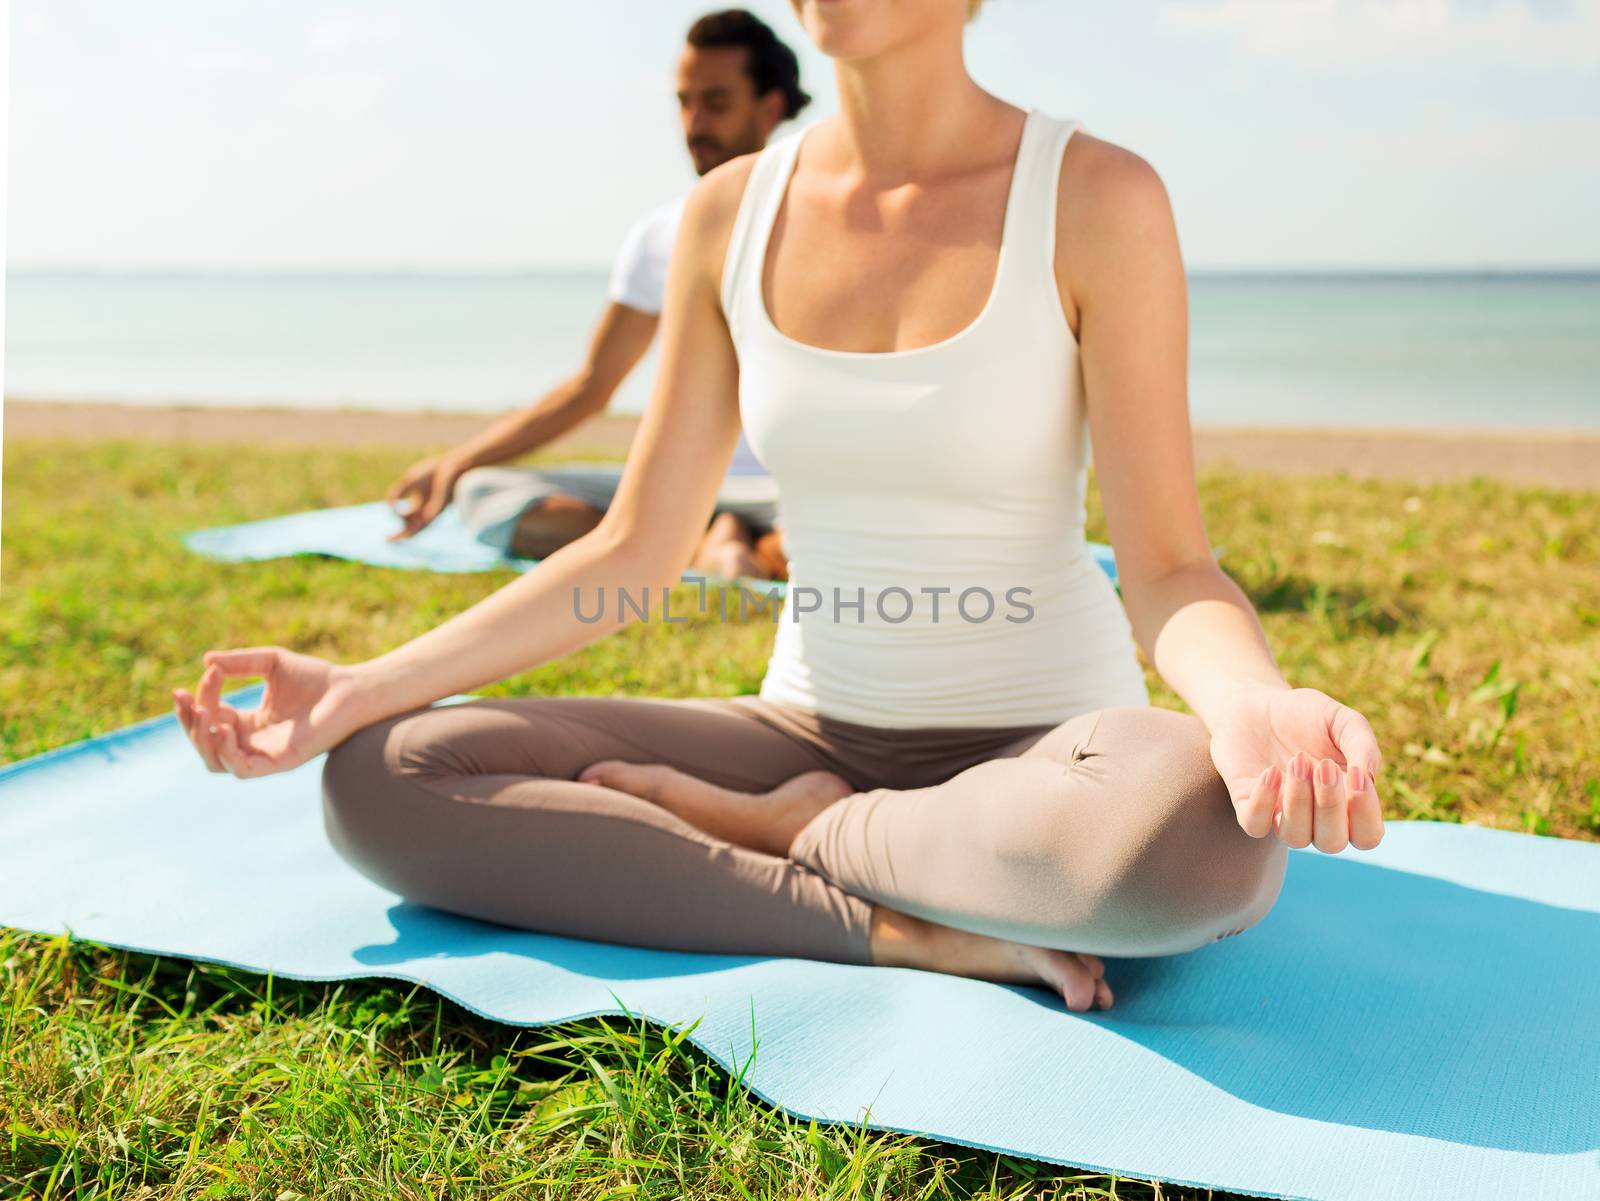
(769, 63)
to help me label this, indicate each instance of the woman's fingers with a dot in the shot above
(1352, 734)
(210, 690)
(235, 756)
(1366, 815)
(1331, 810)
(228, 746)
(1315, 802)
(202, 726)
(245, 661)
(207, 714)
(220, 736)
(183, 703)
(1298, 802)
(1257, 810)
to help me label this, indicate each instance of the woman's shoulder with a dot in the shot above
(1105, 175)
(711, 208)
(712, 205)
(1108, 197)
(717, 192)
(1113, 215)
(714, 199)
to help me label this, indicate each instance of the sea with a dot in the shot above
(1484, 351)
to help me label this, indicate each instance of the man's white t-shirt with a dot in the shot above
(639, 276)
(639, 280)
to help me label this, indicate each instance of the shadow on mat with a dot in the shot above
(422, 933)
(1382, 999)
(1368, 997)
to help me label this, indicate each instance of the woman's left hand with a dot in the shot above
(1301, 765)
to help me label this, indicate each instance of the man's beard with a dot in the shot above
(721, 152)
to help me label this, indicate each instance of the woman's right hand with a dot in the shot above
(310, 705)
(429, 483)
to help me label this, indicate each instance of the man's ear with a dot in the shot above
(772, 108)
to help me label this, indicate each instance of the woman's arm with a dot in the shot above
(1296, 761)
(662, 506)
(1118, 250)
(651, 529)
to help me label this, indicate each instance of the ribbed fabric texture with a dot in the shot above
(933, 498)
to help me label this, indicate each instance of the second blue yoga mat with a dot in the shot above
(361, 532)
(1419, 1021)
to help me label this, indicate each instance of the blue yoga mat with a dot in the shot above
(1415, 1021)
(361, 532)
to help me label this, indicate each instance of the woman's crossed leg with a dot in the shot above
(568, 815)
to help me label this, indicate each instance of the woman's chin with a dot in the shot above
(854, 30)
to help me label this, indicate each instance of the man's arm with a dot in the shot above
(618, 342)
(649, 533)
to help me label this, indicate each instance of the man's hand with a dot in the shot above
(428, 484)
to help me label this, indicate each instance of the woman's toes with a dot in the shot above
(1070, 976)
(1078, 977)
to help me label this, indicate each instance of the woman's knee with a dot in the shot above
(370, 815)
(1198, 873)
(1158, 860)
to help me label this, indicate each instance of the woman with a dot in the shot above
(916, 319)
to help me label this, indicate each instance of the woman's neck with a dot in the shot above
(912, 110)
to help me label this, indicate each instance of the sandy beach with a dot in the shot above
(1556, 458)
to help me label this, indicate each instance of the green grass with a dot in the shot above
(1462, 619)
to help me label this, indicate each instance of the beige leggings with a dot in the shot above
(1110, 833)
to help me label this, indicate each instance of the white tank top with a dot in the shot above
(933, 498)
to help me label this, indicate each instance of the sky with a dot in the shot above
(504, 135)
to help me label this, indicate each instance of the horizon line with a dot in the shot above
(1577, 270)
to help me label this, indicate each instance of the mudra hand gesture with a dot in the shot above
(1303, 766)
(309, 705)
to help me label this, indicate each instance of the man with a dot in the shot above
(736, 82)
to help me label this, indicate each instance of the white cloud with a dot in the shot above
(339, 79)
(169, 52)
(347, 32)
(344, 95)
(1361, 32)
(1439, 137)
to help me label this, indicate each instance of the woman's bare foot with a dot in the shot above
(900, 940)
(769, 821)
(763, 821)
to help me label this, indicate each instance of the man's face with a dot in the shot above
(722, 115)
